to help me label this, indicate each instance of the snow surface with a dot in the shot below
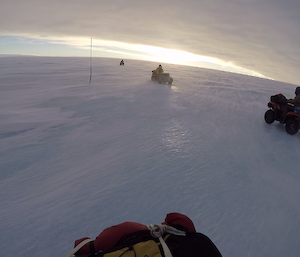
(77, 158)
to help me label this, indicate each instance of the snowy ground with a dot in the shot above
(77, 158)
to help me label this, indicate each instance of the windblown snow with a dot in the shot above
(76, 158)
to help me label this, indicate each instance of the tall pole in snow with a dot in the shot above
(91, 62)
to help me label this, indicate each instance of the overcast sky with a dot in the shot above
(261, 36)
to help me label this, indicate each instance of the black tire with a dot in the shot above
(270, 116)
(292, 126)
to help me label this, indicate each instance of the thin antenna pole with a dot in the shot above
(91, 61)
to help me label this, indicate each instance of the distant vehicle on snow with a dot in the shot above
(160, 76)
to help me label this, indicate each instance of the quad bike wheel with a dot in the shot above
(292, 126)
(270, 116)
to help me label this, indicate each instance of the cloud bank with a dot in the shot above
(261, 36)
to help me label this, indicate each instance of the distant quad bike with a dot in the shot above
(161, 78)
(278, 104)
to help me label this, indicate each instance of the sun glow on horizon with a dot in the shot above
(114, 49)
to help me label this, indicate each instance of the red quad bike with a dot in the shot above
(278, 104)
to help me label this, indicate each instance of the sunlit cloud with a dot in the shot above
(156, 54)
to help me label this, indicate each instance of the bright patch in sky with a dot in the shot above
(73, 46)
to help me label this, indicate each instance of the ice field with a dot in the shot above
(76, 158)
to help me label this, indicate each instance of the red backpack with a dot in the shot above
(176, 237)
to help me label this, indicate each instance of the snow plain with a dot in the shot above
(76, 158)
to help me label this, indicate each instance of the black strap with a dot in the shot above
(92, 247)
